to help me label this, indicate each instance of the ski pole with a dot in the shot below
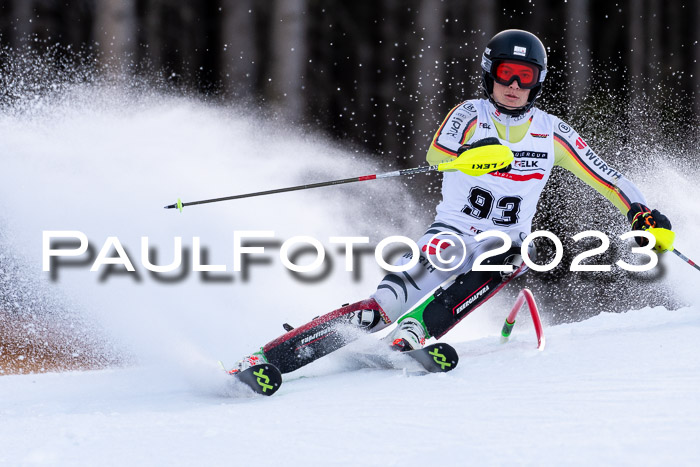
(418, 170)
(664, 242)
(476, 161)
(686, 259)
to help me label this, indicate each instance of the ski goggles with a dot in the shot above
(506, 71)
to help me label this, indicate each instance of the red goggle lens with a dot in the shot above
(526, 74)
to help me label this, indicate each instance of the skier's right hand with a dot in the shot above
(642, 218)
(483, 142)
(477, 144)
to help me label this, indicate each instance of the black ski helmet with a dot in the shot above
(513, 44)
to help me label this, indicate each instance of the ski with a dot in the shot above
(433, 358)
(436, 358)
(264, 379)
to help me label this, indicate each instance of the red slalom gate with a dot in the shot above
(524, 296)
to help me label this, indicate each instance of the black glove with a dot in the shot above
(477, 144)
(483, 142)
(642, 219)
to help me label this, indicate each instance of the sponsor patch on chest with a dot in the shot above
(529, 155)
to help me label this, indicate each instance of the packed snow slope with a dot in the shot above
(618, 389)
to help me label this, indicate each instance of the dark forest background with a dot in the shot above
(379, 74)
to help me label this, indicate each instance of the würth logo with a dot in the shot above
(580, 143)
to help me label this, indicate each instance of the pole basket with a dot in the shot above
(525, 296)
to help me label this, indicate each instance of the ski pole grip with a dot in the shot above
(664, 238)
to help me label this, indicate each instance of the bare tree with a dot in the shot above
(695, 67)
(636, 52)
(653, 47)
(484, 24)
(427, 72)
(22, 13)
(388, 88)
(288, 57)
(153, 34)
(239, 54)
(114, 29)
(578, 47)
(187, 38)
(672, 41)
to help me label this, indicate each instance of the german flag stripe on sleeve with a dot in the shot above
(470, 125)
(589, 169)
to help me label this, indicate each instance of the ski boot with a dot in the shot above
(256, 358)
(409, 335)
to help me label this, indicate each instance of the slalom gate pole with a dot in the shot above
(525, 296)
(398, 173)
(686, 259)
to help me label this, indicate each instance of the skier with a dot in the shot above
(514, 67)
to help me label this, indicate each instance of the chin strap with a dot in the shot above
(512, 112)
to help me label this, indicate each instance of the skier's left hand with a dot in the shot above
(642, 218)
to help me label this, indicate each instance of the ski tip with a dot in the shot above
(264, 379)
(436, 358)
(444, 356)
